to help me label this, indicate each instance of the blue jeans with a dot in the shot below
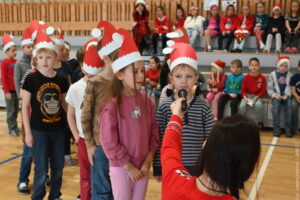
(295, 108)
(192, 33)
(100, 181)
(287, 114)
(258, 108)
(25, 164)
(48, 146)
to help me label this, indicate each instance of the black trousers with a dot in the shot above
(229, 37)
(155, 38)
(233, 105)
(291, 39)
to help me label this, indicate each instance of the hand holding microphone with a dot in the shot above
(183, 94)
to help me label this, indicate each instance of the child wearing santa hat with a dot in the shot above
(92, 65)
(198, 122)
(275, 29)
(279, 90)
(7, 78)
(43, 105)
(216, 84)
(130, 153)
(108, 40)
(254, 87)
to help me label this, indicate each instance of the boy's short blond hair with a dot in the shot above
(182, 66)
(34, 63)
(237, 62)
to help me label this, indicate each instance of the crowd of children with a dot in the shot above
(99, 99)
(232, 26)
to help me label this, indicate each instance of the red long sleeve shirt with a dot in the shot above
(228, 23)
(219, 87)
(249, 22)
(7, 75)
(153, 75)
(256, 85)
(160, 23)
(177, 183)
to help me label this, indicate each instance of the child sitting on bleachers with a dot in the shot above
(228, 26)
(292, 24)
(211, 27)
(295, 86)
(275, 29)
(260, 25)
(244, 29)
(253, 89)
(232, 89)
(216, 83)
(279, 90)
(194, 25)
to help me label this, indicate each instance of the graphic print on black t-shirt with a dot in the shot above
(49, 96)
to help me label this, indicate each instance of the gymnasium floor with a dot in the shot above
(276, 178)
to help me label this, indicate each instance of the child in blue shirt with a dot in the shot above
(232, 89)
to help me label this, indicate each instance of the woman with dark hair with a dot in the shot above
(228, 159)
(141, 30)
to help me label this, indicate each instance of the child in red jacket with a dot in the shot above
(161, 28)
(254, 87)
(244, 29)
(7, 77)
(228, 25)
(216, 84)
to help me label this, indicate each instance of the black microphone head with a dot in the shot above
(182, 93)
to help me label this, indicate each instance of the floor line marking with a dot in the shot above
(10, 159)
(262, 170)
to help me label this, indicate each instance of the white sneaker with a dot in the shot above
(23, 188)
(262, 45)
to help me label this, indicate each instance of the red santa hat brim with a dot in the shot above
(284, 60)
(184, 60)
(217, 67)
(8, 45)
(126, 60)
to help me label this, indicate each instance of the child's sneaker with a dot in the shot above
(294, 50)
(69, 160)
(276, 133)
(23, 188)
(261, 45)
(14, 132)
(287, 50)
(78, 197)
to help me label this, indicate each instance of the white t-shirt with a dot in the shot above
(74, 97)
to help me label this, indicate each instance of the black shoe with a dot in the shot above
(23, 188)
(238, 51)
(233, 50)
(78, 197)
(276, 133)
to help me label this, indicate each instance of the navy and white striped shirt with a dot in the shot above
(198, 122)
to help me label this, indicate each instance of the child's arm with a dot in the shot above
(297, 27)
(270, 88)
(72, 122)
(287, 25)
(64, 103)
(4, 78)
(26, 97)
(294, 92)
(17, 78)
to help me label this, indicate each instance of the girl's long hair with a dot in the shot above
(231, 153)
(145, 11)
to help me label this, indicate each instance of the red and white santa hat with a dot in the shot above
(277, 6)
(284, 59)
(110, 39)
(180, 53)
(59, 40)
(128, 53)
(92, 64)
(35, 25)
(7, 41)
(179, 35)
(219, 65)
(141, 2)
(26, 38)
(43, 41)
(91, 42)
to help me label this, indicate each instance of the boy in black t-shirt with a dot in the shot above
(295, 86)
(42, 109)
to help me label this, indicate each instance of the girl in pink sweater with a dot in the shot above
(129, 132)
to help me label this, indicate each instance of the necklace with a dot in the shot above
(217, 191)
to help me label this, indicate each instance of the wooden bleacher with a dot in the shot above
(78, 17)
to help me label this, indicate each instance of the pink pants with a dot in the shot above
(123, 188)
(214, 96)
(85, 171)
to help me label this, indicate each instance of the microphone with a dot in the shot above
(183, 94)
